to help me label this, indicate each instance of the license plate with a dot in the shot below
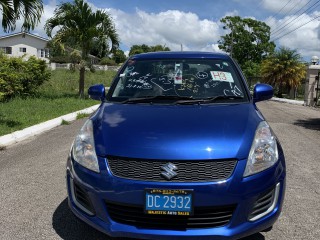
(169, 202)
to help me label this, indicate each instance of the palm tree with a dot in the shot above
(80, 27)
(13, 10)
(283, 69)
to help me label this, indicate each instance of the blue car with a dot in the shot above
(177, 150)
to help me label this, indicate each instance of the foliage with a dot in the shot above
(248, 40)
(137, 49)
(251, 69)
(58, 53)
(283, 69)
(19, 77)
(56, 49)
(75, 58)
(13, 10)
(119, 56)
(60, 59)
(54, 98)
(107, 61)
(82, 115)
(64, 122)
(83, 28)
(99, 49)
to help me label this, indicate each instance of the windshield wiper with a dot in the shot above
(208, 100)
(147, 99)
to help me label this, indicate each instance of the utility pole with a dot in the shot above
(231, 50)
(181, 47)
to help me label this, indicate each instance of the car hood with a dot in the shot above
(217, 131)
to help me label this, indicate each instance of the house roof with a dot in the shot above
(36, 36)
(23, 33)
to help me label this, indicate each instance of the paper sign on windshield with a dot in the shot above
(222, 76)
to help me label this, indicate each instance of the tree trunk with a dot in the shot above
(81, 82)
(279, 95)
(293, 93)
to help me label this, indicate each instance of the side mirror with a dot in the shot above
(97, 92)
(262, 92)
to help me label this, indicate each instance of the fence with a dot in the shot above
(54, 66)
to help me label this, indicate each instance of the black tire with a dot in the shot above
(267, 229)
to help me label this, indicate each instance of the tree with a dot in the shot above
(284, 68)
(119, 56)
(82, 28)
(159, 48)
(58, 53)
(252, 71)
(13, 10)
(248, 40)
(137, 49)
(107, 61)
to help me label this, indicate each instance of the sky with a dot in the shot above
(195, 24)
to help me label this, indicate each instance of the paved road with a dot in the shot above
(33, 201)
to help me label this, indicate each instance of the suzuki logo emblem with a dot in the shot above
(169, 171)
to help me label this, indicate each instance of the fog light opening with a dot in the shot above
(75, 200)
(271, 207)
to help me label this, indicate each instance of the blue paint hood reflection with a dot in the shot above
(175, 131)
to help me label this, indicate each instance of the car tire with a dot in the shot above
(267, 229)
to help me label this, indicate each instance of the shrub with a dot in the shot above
(19, 77)
(60, 59)
(107, 61)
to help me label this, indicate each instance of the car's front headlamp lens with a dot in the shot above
(264, 151)
(83, 150)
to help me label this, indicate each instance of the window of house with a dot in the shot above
(46, 53)
(6, 50)
(42, 53)
(23, 49)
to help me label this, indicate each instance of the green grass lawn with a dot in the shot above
(56, 97)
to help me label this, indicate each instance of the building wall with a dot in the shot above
(32, 44)
(311, 85)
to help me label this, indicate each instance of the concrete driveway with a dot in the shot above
(33, 201)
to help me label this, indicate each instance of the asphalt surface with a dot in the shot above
(33, 201)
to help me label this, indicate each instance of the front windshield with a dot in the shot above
(185, 78)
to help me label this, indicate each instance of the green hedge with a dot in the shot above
(20, 77)
(107, 61)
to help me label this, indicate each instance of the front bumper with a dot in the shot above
(238, 191)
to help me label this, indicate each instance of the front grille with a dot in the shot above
(82, 198)
(263, 203)
(188, 171)
(204, 217)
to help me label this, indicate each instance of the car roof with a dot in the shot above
(187, 54)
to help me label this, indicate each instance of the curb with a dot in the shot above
(296, 102)
(23, 134)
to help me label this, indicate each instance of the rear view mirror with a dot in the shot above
(97, 92)
(262, 92)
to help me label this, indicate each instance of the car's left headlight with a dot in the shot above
(264, 151)
(83, 149)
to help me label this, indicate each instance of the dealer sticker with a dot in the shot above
(222, 76)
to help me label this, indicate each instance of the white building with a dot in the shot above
(25, 44)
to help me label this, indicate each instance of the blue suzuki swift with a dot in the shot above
(177, 149)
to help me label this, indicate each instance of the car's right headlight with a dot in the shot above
(83, 149)
(264, 151)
